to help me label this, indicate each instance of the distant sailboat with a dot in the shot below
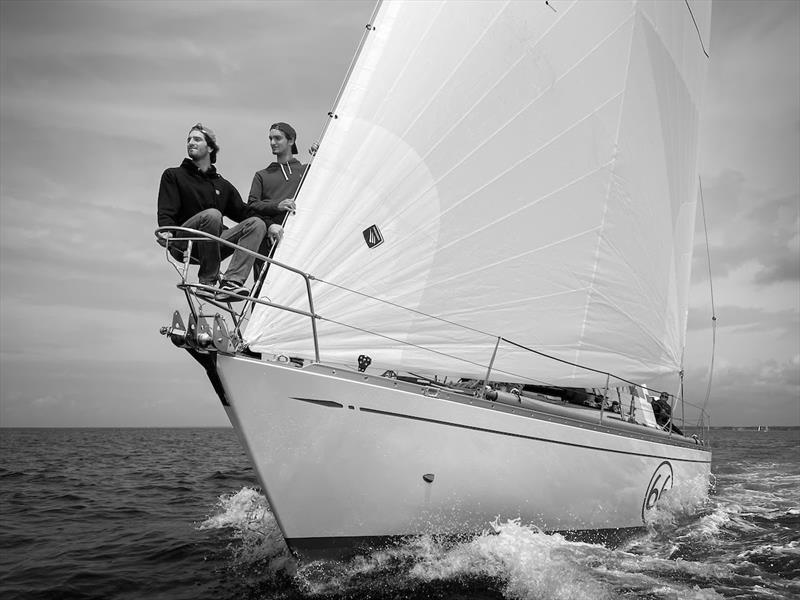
(505, 194)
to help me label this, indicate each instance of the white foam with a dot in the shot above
(790, 551)
(255, 529)
(525, 563)
(530, 563)
(242, 509)
(683, 501)
(520, 560)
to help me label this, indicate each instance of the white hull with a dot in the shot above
(344, 457)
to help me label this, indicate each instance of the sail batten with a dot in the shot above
(533, 177)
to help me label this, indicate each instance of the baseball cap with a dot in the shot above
(289, 131)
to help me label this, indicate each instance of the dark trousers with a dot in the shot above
(248, 234)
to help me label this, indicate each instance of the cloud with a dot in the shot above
(122, 50)
(753, 102)
(765, 392)
(76, 236)
(748, 226)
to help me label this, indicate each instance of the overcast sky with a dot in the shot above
(96, 99)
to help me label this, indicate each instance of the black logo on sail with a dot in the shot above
(373, 236)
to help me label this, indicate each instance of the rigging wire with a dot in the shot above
(467, 327)
(332, 113)
(367, 29)
(713, 308)
(429, 349)
(700, 37)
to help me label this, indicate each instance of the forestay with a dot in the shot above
(532, 169)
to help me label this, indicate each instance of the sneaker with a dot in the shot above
(227, 288)
(207, 294)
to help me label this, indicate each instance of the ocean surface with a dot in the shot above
(178, 514)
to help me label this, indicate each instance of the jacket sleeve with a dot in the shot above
(266, 208)
(235, 209)
(256, 189)
(169, 202)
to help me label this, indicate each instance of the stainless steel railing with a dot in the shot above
(182, 239)
(191, 236)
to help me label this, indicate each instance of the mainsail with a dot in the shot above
(532, 170)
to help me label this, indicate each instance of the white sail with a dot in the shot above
(532, 170)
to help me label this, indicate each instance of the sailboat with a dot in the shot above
(499, 219)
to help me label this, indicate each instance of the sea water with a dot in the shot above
(178, 514)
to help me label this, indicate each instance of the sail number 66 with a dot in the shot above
(659, 483)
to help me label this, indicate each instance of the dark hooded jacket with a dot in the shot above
(277, 182)
(186, 191)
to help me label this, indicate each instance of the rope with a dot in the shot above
(713, 308)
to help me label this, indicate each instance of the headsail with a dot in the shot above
(531, 169)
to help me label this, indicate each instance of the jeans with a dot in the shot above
(248, 234)
(264, 249)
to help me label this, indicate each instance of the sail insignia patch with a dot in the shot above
(373, 236)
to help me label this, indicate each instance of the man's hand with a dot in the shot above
(286, 205)
(275, 233)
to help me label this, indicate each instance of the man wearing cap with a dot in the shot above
(273, 190)
(194, 195)
(662, 411)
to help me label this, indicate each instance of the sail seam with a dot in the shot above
(636, 323)
(402, 71)
(608, 192)
(489, 90)
(514, 257)
(529, 299)
(525, 158)
(464, 57)
(412, 203)
(446, 280)
(534, 202)
(657, 342)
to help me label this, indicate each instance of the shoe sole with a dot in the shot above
(205, 294)
(225, 295)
